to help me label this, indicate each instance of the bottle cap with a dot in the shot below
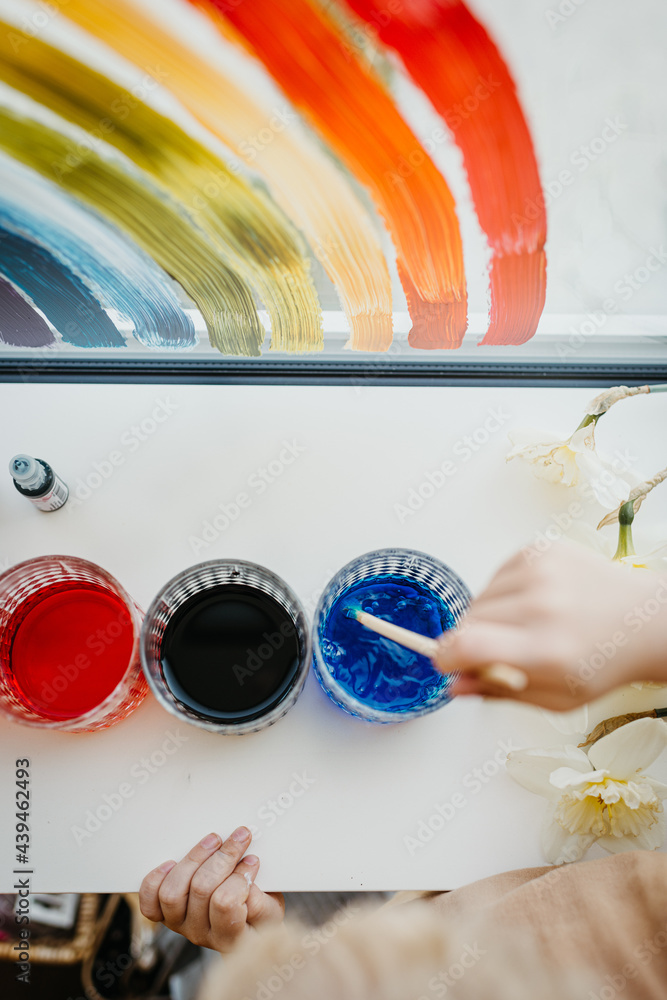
(27, 472)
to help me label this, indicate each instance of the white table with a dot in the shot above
(357, 790)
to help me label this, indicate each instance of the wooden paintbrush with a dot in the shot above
(501, 674)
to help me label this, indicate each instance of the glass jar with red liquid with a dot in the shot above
(69, 646)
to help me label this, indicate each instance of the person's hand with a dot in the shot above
(576, 623)
(210, 896)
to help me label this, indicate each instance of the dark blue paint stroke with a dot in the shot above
(20, 325)
(121, 274)
(63, 298)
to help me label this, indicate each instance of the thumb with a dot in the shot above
(481, 644)
(264, 906)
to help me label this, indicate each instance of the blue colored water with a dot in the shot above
(375, 670)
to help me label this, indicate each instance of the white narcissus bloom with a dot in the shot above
(655, 560)
(586, 534)
(602, 795)
(571, 463)
(568, 723)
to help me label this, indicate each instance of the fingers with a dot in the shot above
(148, 893)
(555, 700)
(218, 867)
(546, 685)
(215, 889)
(228, 910)
(174, 891)
(507, 609)
(184, 889)
(484, 645)
(481, 645)
(264, 906)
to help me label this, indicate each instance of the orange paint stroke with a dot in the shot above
(312, 62)
(302, 178)
(449, 54)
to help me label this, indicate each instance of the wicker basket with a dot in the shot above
(56, 951)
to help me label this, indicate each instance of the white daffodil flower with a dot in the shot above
(603, 795)
(655, 560)
(586, 534)
(573, 462)
(568, 723)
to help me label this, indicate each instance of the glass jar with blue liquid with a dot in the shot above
(365, 674)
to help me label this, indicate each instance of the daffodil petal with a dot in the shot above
(630, 748)
(571, 470)
(583, 440)
(568, 723)
(609, 495)
(658, 787)
(610, 489)
(532, 768)
(634, 562)
(559, 845)
(551, 460)
(529, 437)
(568, 777)
(553, 471)
(655, 560)
(648, 839)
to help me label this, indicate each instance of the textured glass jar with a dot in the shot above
(413, 567)
(196, 581)
(21, 589)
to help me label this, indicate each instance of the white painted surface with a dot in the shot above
(364, 449)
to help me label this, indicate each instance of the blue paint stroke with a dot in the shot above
(20, 324)
(120, 274)
(63, 298)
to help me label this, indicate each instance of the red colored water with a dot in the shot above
(451, 57)
(71, 650)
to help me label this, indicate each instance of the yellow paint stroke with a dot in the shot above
(154, 221)
(303, 180)
(256, 239)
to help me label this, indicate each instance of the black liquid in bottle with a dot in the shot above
(230, 653)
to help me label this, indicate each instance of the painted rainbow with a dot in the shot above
(252, 165)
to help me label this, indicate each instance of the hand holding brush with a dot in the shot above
(501, 674)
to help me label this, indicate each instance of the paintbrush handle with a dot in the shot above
(403, 636)
(502, 674)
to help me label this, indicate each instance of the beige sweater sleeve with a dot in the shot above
(589, 931)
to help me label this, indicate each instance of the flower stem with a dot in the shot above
(626, 516)
(590, 418)
(609, 725)
(637, 495)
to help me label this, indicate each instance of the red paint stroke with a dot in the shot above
(315, 65)
(449, 54)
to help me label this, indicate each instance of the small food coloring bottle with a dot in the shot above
(36, 480)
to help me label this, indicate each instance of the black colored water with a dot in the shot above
(230, 653)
